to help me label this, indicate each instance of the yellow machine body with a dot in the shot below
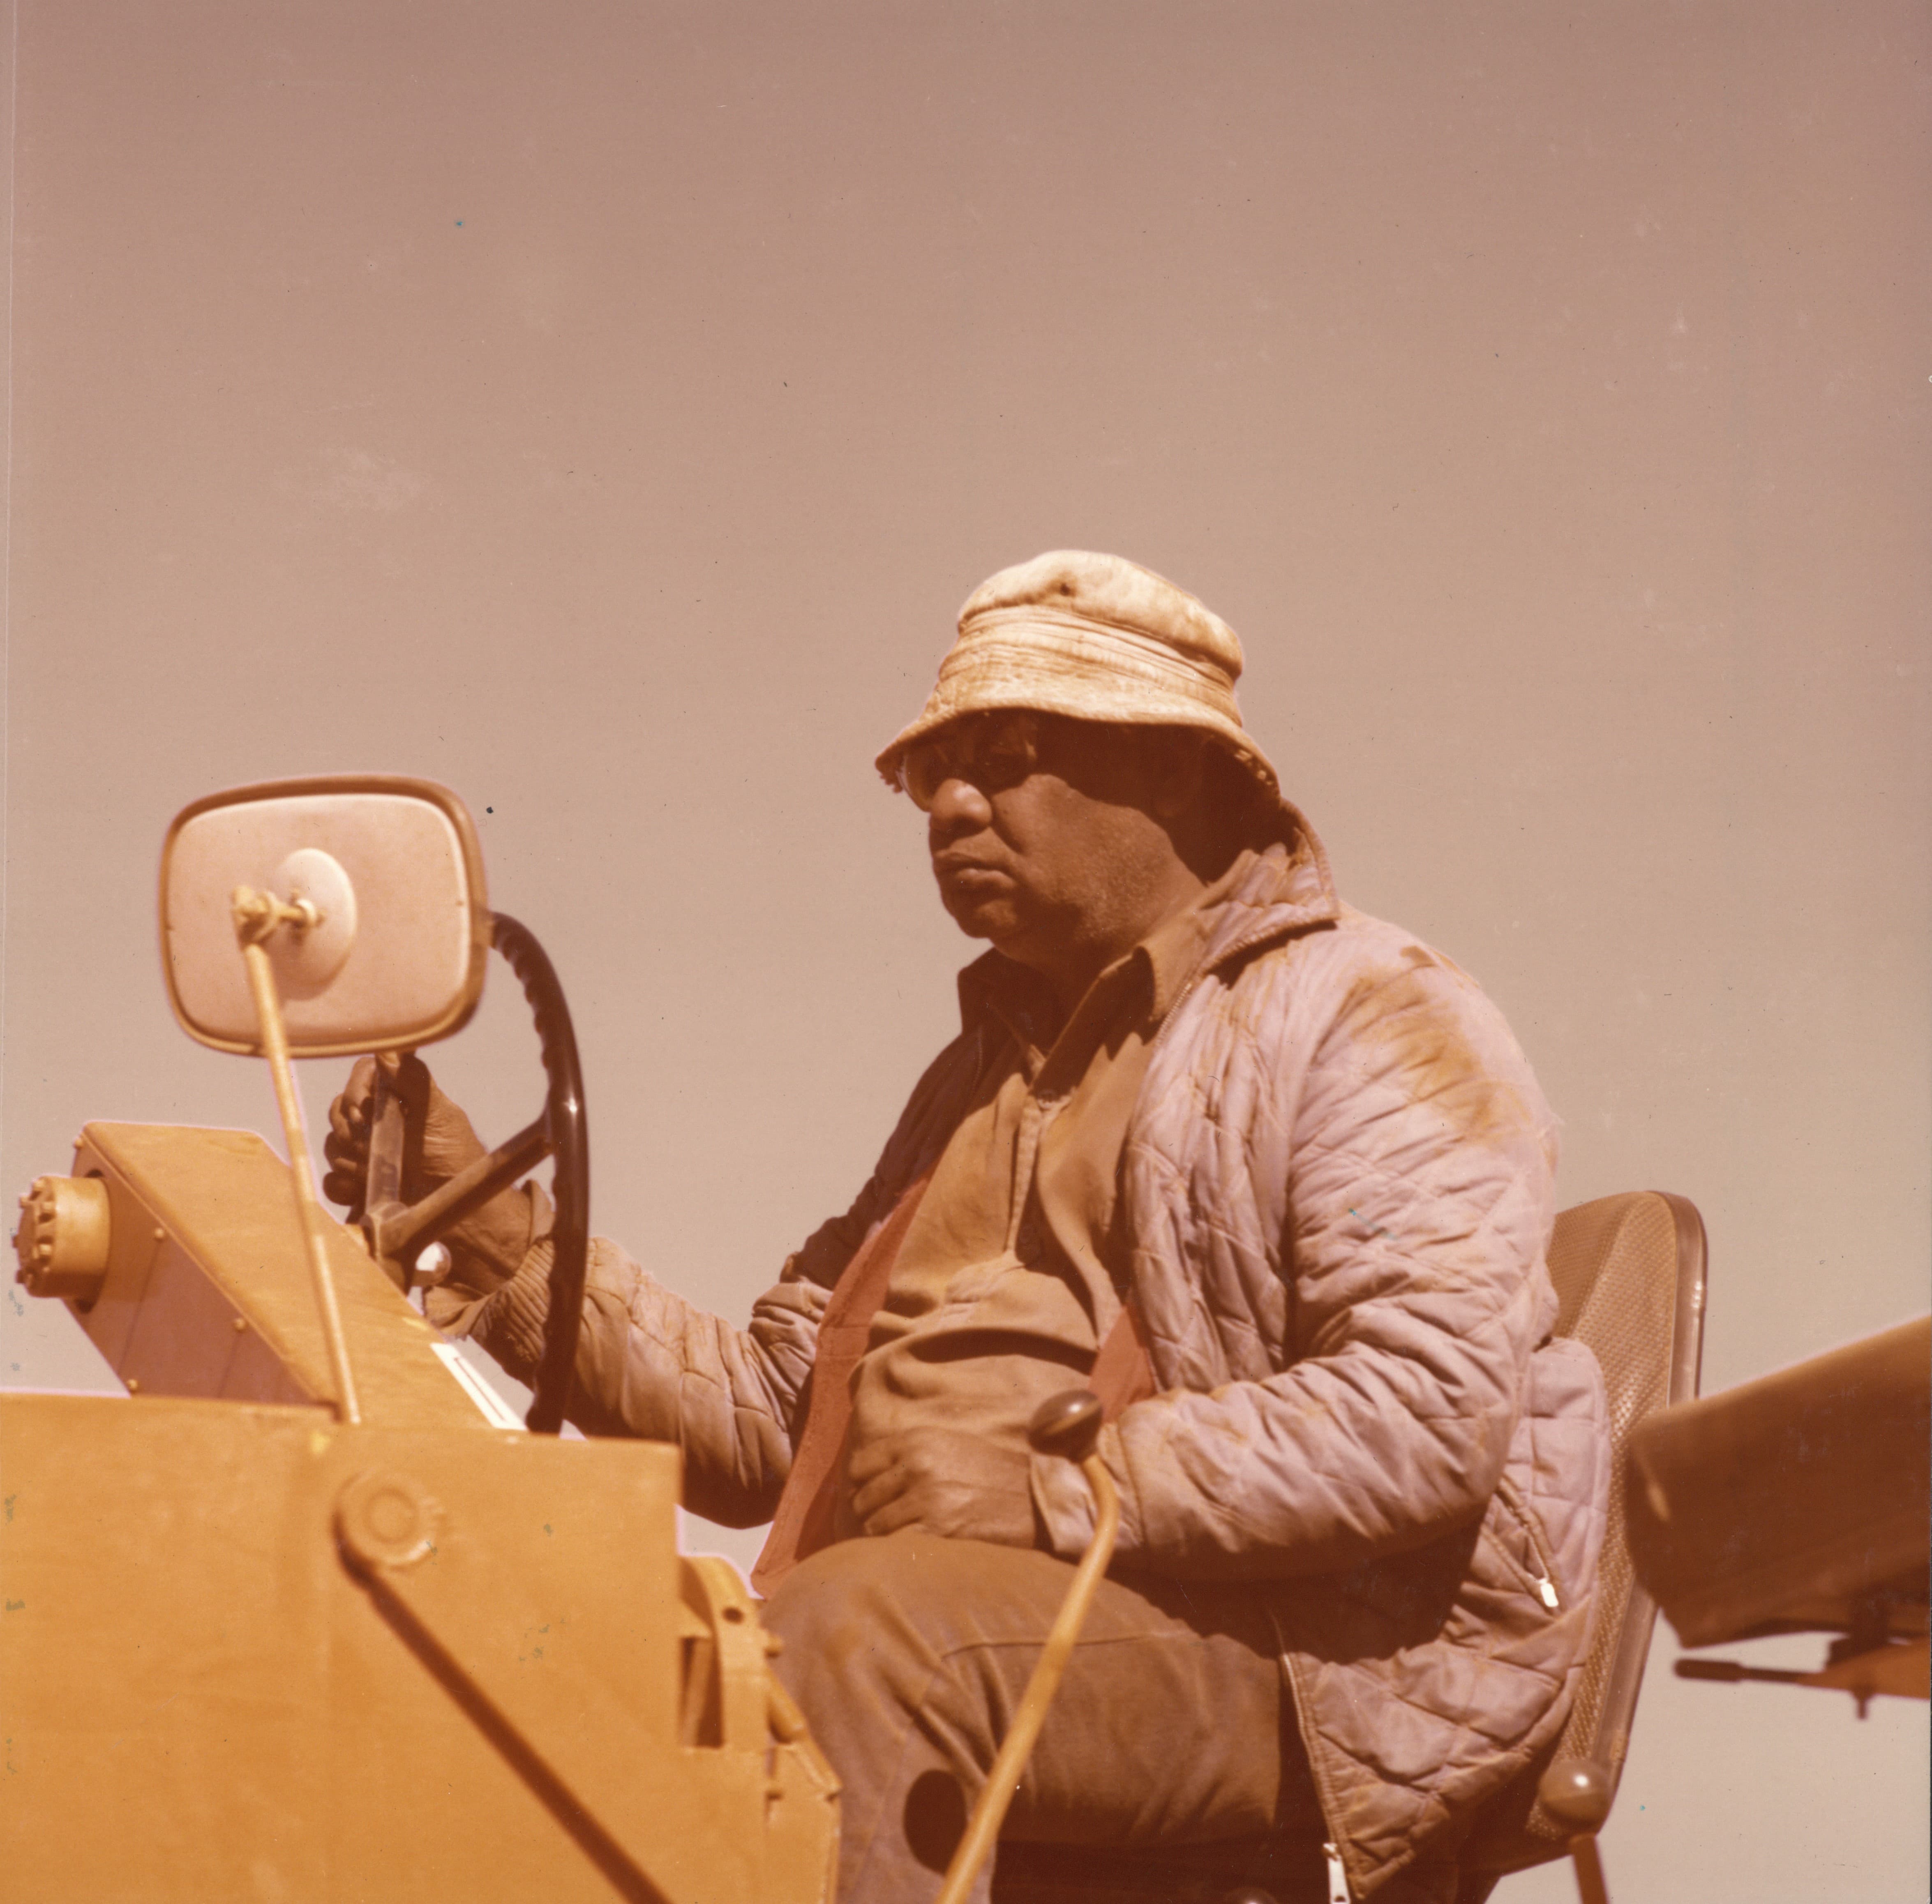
(249, 1653)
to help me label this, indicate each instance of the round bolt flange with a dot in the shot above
(384, 1519)
(63, 1239)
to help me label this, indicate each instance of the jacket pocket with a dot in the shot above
(1524, 1548)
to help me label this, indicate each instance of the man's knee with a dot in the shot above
(871, 1622)
(849, 1620)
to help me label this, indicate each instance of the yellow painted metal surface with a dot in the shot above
(207, 1291)
(247, 1653)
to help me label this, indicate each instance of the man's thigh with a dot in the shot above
(910, 1654)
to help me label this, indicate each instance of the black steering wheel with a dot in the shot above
(567, 1141)
(396, 1233)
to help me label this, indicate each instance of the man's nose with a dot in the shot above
(957, 807)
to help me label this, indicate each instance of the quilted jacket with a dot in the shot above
(1339, 1182)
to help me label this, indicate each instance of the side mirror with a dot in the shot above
(390, 872)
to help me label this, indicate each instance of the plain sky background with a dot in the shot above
(603, 410)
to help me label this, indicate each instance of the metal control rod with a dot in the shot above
(1069, 1424)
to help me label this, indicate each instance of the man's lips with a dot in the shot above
(955, 869)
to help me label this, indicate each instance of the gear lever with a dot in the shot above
(1067, 1423)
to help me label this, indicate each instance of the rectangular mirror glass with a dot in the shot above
(391, 868)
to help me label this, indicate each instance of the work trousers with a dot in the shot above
(909, 1655)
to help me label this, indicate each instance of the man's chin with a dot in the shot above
(980, 917)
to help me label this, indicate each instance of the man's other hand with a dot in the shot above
(959, 1486)
(439, 1141)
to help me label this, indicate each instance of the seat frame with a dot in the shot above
(1518, 1832)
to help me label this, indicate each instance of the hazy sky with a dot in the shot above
(604, 409)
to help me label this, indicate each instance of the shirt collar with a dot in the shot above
(993, 985)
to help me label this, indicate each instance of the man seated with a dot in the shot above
(1270, 1177)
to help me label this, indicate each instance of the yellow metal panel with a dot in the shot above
(229, 1251)
(201, 1702)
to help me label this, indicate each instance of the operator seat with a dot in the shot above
(1630, 1275)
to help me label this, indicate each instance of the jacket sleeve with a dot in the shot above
(651, 1364)
(1407, 1221)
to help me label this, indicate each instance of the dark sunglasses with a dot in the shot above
(989, 751)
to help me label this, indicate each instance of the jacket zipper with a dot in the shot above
(1338, 1878)
(1544, 1578)
(1331, 1850)
(1324, 1798)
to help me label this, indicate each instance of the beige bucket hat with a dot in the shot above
(1096, 638)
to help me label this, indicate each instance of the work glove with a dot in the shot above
(439, 1141)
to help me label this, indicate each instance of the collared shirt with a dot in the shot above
(1015, 1266)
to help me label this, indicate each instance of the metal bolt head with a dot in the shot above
(384, 1519)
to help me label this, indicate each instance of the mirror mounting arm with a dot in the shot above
(256, 915)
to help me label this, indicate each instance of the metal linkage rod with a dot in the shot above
(1067, 1424)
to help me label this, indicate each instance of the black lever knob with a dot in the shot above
(1067, 1423)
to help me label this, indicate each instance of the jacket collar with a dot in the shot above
(1287, 889)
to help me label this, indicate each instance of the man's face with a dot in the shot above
(1038, 829)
